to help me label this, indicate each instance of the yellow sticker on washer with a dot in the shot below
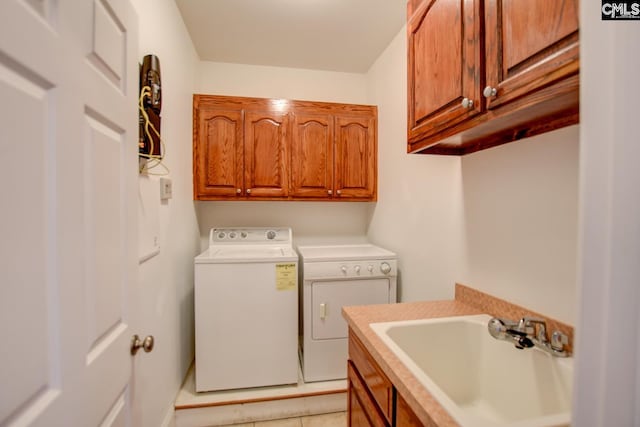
(286, 277)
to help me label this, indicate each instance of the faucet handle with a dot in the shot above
(559, 340)
(528, 324)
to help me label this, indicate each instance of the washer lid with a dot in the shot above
(344, 253)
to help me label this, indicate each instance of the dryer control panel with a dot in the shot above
(352, 269)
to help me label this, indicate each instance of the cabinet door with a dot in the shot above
(375, 381)
(218, 153)
(521, 60)
(405, 416)
(362, 409)
(355, 157)
(312, 155)
(266, 149)
(444, 67)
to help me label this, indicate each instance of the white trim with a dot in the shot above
(607, 383)
(169, 419)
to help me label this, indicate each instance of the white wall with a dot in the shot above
(520, 221)
(166, 280)
(308, 219)
(418, 210)
(218, 78)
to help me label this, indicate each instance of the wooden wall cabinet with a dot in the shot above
(483, 73)
(372, 399)
(240, 153)
(333, 156)
(264, 149)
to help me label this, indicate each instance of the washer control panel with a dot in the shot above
(253, 235)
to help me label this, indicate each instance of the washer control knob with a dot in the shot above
(385, 268)
(271, 234)
(357, 269)
(344, 269)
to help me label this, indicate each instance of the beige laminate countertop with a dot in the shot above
(415, 394)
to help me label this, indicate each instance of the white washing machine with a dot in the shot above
(246, 309)
(333, 277)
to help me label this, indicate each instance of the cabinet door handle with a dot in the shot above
(248, 191)
(489, 92)
(338, 192)
(329, 192)
(323, 311)
(238, 190)
(467, 103)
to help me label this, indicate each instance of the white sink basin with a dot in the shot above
(479, 380)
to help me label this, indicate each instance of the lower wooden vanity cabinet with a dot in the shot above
(372, 399)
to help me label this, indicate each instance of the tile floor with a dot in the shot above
(336, 419)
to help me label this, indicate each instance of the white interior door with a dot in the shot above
(68, 143)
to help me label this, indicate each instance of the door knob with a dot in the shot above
(489, 92)
(146, 344)
(467, 103)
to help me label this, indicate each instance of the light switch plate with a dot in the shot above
(166, 189)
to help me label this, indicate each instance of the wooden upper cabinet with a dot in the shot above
(529, 45)
(312, 155)
(265, 154)
(443, 65)
(334, 156)
(220, 137)
(267, 149)
(355, 157)
(514, 63)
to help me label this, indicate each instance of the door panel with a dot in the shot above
(26, 325)
(355, 157)
(519, 61)
(266, 149)
(68, 127)
(312, 156)
(219, 164)
(443, 65)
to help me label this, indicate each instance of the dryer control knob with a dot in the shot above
(370, 268)
(385, 268)
(357, 269)
(344, 269)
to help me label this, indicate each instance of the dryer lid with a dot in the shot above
(344, 253)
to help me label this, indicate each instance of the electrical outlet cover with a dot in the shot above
(165, 189)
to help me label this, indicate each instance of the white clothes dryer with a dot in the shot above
(332, 277)
(246, 309)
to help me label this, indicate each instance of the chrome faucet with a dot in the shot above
(529, 332)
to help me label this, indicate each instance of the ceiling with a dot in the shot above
(334, 35)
